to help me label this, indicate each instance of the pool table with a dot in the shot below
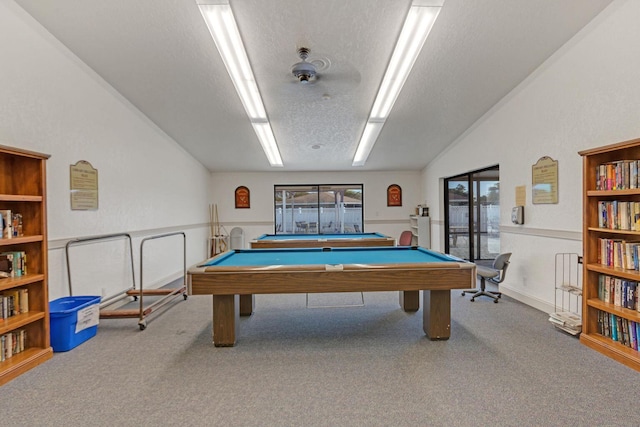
(318, 270)
(337, 240)
(409, 300)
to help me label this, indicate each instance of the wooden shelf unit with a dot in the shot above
(23, 190)
(592, 269)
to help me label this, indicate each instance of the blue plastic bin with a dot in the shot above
(63, 314)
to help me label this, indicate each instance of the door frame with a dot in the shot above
(473, 229)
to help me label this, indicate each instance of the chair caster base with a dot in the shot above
(478, 293)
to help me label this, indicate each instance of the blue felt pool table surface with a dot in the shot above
(332, 256)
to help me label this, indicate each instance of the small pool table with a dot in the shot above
(338, 240)
(318, 270)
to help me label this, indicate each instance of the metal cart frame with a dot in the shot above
(143, 312)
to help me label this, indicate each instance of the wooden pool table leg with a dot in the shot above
(247, 304)
(225, 320)
(436, 314)
(410, 300)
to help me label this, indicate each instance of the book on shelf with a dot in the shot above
(14, 302)
(16, 225)
(619, 253)
(619, 329)
(12, 343)
(619, 292)
(7, 223)
(617, 175)
(619, 215)
(6, 264)
(14, 264)
(24, 300)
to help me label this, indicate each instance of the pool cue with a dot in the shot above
(223, 242)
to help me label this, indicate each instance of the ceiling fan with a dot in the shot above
(321, 76)
(307, 71)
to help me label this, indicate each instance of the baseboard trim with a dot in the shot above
(529, 300)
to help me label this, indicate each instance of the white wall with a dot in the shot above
(51, 102)
(586, 95)
(378, 217)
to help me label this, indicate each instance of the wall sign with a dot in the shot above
(521, 195)
(545, 181)
(394, 195)
(243, 200)
(83, 186)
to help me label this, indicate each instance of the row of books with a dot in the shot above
(619, 329)
(11, 224)
(617, 175)
(12, 343)
(619, 215)
(619, 292)
(13, 264)
(619, 253)
(14, 302)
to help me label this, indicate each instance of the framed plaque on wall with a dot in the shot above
(394, 195)
(544, 181)
(243, 200)
(83, 186)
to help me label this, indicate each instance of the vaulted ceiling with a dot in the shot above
(160, 56)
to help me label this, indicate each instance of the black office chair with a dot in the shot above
(494, 275)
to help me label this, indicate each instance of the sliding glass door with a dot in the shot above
(472, 217)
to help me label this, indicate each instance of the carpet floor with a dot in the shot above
(350, 365)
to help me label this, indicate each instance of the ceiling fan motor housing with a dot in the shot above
(303, 70)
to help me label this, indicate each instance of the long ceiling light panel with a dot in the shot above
(420, 19)
(222, 26)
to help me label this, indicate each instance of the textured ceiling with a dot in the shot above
(160, 56)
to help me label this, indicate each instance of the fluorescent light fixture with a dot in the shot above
(268, 142)
(369, 136)
(223, 29)
(417, 25)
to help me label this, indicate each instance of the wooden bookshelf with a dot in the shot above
(593, 306)
(23, 190)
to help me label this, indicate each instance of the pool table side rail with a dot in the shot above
(328, 243)
(262, 280)
(329, 267)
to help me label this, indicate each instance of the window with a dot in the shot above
(322, 209)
